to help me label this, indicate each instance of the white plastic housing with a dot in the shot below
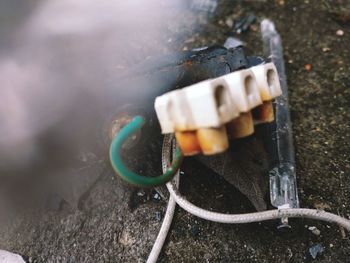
(210, 103)
(180, 111)
(173, 112)
(163, 106)
(215, 102)
(268, 81)
(244, 89)
(202, 105)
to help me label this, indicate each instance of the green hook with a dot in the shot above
(128, 175)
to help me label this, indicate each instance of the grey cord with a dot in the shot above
(257, 216)
(163, 232)
(227, 218)
(169, 214)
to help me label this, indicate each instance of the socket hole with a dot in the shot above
(221, 99)
(249, 85)
(271, 79)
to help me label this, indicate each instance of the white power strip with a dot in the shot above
(199, 114)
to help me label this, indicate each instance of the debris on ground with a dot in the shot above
(156, 196)
(9, 257)
(229, 22)
(158, 216)
(242, 24)
(308, 67)
(315, 250)
(141, 193)
(232, 42)
(314, 230)
(322, 206)
(339, 32)
(289, 253)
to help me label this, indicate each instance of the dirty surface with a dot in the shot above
(116, 223)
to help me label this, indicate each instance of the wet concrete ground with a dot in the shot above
(111, 227)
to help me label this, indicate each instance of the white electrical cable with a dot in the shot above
(257, 216)
(169, 214)
(231, 218)
(163, 232)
